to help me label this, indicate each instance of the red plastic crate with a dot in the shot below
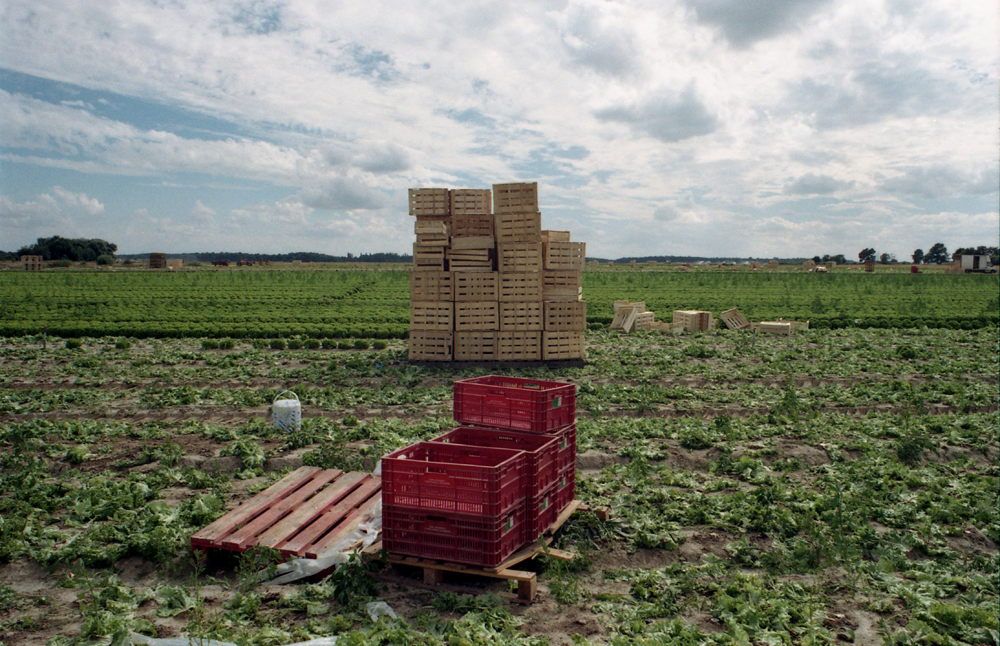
(455, 478)
(517, 404)
(543, 509)
(566, 455)
(541, 450)
(456, 538)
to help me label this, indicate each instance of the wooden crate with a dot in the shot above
(565, 316)
(431, 286)
(561, 286)
(693, 320)
(519, 346)
(562, 345)
(644, 321)
(432, 315)
(471, 200)
(774, 327)
(519, 258)
(480, 260)
(471, 225)
(472, 242)
(565, 256)
(521, 316)
(430, 345)
(430, 201)
(433, 233)
(518, 227)
(477, 315)
(475, 346)
(526, 286)
(432, 240)
(428, 258)
(734, 319)
(515, 198)
(473, 286)
(555, 236)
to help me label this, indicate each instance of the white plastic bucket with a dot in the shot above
(287, 412)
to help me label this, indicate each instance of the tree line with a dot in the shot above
(73, 249)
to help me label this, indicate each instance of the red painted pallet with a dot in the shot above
(303, 514)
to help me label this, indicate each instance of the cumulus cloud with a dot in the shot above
(595, 38)
(385, 158)
(667, 116)
(202, 214)
(57, 212)
(937, 181)
(811, 184)
(744, 22)
(340, 194)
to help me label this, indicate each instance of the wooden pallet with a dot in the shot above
(303, 514)
(527, 582)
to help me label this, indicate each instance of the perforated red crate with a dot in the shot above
(456, 538)
(527, 405)
(541, 450)
(543, 509)
(566, 456)
(455, 478)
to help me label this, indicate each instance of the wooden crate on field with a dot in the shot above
(466, 225)
(432, 315)
(472, 242)
(519, 346)
(470, 260)
(561, 286)
(565, 316)
(475, 346)
(431, 286)
(519, 257)
(428, 257)
(644, 321)
(515, 198)
(693, 320)
(562, 345)
(774, 327)
(518, 227)
(474, 286)
(430, 201)
(433, 233)
(524, 286)
(471, 200)
(430, 345)
(564, 256)
(625, 315)
(477, 315)
(555, 236)
(521, 316)
(734, 319)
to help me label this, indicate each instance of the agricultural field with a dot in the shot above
(834, 486)
(334, 303)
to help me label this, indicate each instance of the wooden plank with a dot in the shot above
(209, 536)
(308, 511)
(472, 242)
(312, 538)
(571, 508)
(245, 537)
(349, 524)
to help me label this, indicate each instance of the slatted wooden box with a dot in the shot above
(693, 320)
(515, 198)
(521, 316)
(562, 345)
(477, 315)
(526, 286)
(555, 236)
(475, 346)
(644, 321)
(473, 286)
(480, 260)
(519, 346)
(518, 227)
(433, 315)
(734, 319)
(430, 345)
(428, 258)
(431, 286)
(430, 201)
(472, 242)
(565, 316)
(434, 233)
(561, 285)
(519, 258)
(564, 256)
(471, 224)
(471, 200)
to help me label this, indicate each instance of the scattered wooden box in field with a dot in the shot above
(519, 257)
(562, 345)
(521, 316)
(471, 200)
(773, 327)
(475, 346)
(565, 316)
(624, 319)
(734, 320)
(473, 286)
(432, 315)
(515, 198)
(693, 320)
(34, 263)
(431, 286)
(564, 256)
(430, 345)
(519, 345)
(522, 286)
(430, 201)
(643, 321)
(477, 315)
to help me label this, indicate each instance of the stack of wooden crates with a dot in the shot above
(488, 284)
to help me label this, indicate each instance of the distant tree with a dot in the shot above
(866, 254)
(839, 259)
(817, 260)
(887, 258)
(918, 256)
(937, 255)
(74, 249)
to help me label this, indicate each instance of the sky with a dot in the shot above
(764, 128)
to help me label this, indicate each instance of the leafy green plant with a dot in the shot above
(278, 344)
(209, 344)
(295, 344)
(73, 344)
(361, 344)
